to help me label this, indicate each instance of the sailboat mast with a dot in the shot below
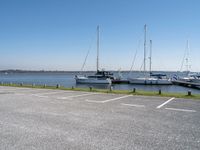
(145, 30)
(150, 61)
(97, 48)
(187, 57)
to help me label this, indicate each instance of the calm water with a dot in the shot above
(67, 80)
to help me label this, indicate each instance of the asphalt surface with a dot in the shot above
(41, 119)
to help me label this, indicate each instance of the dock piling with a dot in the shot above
(111, 88)
(159, 92)
(58, 86)
(90, 88)
(189, 93)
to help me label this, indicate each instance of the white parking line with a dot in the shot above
(133, 105)
(18, 90)
(92, 101)
(19, 94)
(49, 93)
(41, 96)
(165, 103)
(185, 110)
(73, 96)
(109, 100)
(114, 99)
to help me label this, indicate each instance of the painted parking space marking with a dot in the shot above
(108, 100)
(19, 94)
(183, 110)
(20, 89)
(133, 105)
(41, 96)
(73, 96)
(114, 99)
(5, 92)
(93, 101)
(58, 92)
(163, 104)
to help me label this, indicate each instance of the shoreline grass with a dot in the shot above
(137, 92)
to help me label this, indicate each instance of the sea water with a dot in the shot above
(66, 79)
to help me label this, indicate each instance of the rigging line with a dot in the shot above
(134, 58)
(85, 60)
(184, 57)
(182, 63)
(87, 54)
(188, 57)
(141, 66)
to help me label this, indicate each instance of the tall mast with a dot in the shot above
(187, 57)
(185, 61)
(145, 30)
(97, 48)
(150, 61)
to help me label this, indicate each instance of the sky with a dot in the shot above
(57, 34)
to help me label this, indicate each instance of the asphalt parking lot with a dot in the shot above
(55, 119)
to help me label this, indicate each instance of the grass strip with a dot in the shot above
(136, 92)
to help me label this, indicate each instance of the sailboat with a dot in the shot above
(191, 79)
(100, 77)
(185, 62)
(151, 79)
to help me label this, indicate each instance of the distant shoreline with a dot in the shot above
(55, 71)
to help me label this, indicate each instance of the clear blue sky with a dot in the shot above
(56, 34)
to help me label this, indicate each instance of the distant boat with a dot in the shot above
(151, 79)
(100, 77)
(95, 79)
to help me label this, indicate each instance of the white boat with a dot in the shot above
(189, 81)
(151, 79)
(96, 79)
(195, 78)
(100, 77)
(188, 77)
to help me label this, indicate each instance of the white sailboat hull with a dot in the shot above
(86, 80)
(149, 81)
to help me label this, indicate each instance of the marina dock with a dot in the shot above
(187, 84)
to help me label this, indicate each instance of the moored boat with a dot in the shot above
(151, 79)
(100, 77)
(95, 79)
(188, 79)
